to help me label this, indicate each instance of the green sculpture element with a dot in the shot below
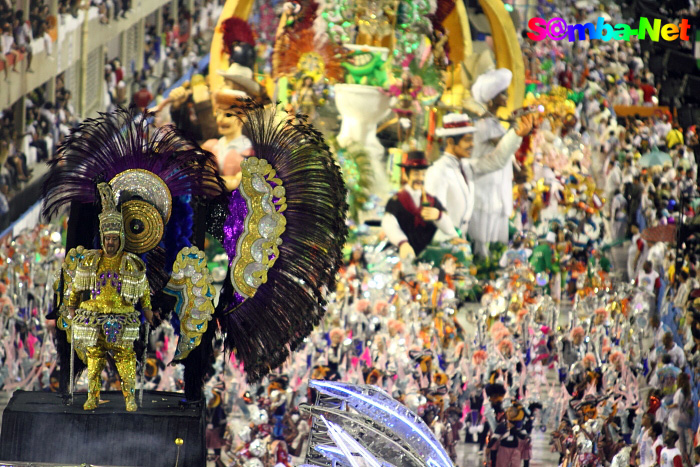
(366, 68)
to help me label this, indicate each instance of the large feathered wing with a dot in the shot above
(284, 234)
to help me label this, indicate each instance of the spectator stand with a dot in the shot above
(201, 68)
(28, 220)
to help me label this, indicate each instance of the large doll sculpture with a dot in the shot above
(233, 146)
(283, 229)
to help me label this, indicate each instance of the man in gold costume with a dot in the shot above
(106, 286)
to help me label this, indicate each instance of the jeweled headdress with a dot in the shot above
(111, 221)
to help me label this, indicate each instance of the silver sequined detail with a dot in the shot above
(260, 184)
(248, 274)
(267, 204)
(257, 249)
(267, 226)
(146, 185)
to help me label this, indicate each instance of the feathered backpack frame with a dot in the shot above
(283, 229)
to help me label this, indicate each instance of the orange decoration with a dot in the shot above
(299, 46)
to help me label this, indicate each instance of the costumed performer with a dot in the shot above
(107, 321)
(455, 178)
(493, 200)
(544, 261)
(143, 178)
(306, 99)
(413, 216)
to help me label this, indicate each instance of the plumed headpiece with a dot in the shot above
(238, 42)
(111, 221)
(236, 30)
(144, 169)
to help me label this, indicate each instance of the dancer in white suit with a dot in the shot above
(453, 178)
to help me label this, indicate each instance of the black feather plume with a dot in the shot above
(100, 148)
(267, 326)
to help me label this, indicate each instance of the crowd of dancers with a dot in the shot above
(609, 377)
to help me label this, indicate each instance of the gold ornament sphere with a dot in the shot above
(179, 441)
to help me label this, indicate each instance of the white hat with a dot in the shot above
(241, 75)
(491, 84)
(551, 237)
(455, 124)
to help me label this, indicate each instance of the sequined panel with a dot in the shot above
(190, 284)
(143, 226)
(118, 329)
(257, 247)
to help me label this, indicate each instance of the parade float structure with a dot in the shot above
(363, 425)
(506, 47)
(52, 414)
(380, 37)
(159, 192)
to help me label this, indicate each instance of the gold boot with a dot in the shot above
(95, 364)
(125, 362)
(130, 403)
(91, 402)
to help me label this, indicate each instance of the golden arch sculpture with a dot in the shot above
(506, 45)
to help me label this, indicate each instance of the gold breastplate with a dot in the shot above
(106, 295)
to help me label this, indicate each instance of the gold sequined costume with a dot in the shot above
(137, 174)
(107, 320)
(103, 291)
